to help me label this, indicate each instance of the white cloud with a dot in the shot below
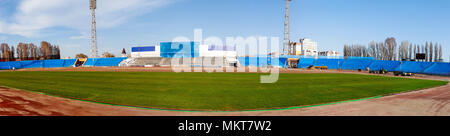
(3, 38)
(82, 36)
(32, 16)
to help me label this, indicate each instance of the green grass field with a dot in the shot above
(210, 91)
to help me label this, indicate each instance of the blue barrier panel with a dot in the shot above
(356, 64)
(306, 62)
(53, 63)
(282, 62)
(413, 67)
(90, 62)
(257, 61)
(10, 65)
(4, 65)
(32, 64)
(108, 62)
(330, 63)
(69, 62)
(243, 61)
(439, 68)
(143, 49)
(384, 65)
(180, 49)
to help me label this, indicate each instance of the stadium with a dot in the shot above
(146, 84)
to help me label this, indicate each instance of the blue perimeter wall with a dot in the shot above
(433, 68)
(97, 62)
(353, 63)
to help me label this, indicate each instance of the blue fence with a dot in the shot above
(257, 61)
(330, 63)
(306, 62)
(438, 69)
(413, 67)
(356, 64)
(434, 68)
(37, 64)
(384, 65)
(99, 62)
(104, 62)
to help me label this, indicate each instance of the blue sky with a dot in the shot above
(123, 24)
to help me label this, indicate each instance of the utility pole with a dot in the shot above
(94, 52)
(286, 41)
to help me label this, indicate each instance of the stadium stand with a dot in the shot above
(330, 63)
(413, 67)
(434, 68)
(438, 68)
(384, 65)
(10, 65)
(255, 61)
(32, 64)
(53, 63)
(356, 64)
(90, 62)
(69, 62)
(107, 62)
(306, 62)
(282, 62)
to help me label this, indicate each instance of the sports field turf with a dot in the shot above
(210, 91)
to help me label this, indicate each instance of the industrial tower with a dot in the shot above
(93, 6)
(286, 41)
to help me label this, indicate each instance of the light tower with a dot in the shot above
(93, 6)
(286, 41)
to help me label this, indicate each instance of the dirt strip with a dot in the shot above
(428, 102)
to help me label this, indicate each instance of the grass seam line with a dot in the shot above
(198, 111)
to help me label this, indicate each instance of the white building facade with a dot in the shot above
(308, 47)
(329, 53)
(145, 51)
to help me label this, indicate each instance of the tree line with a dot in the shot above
(389, 50)
(29, 51)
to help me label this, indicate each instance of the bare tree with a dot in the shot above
(440, 52)
(410, 52)
(436, 53)
(403, 50)
(5, 51)
(81, 55)
(431, 52)
(23, 51)
(33, 51)
(45, 50)
(108, 55)
(391, 46)
(11, 55)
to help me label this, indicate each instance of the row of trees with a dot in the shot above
(29, 51)
(388, 50)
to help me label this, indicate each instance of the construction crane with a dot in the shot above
(286, 41)
(94, 52)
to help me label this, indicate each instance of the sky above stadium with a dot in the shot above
(128, 23)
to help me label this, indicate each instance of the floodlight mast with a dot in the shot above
(94, 52)
(286, 41)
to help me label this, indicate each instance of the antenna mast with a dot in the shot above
(94, 53)
(286, 41)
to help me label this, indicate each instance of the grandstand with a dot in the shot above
(306, 62)
(356, 64)
(330, 63)
(413, 67)
(438, 69)
(384, 65)
(222, 56)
